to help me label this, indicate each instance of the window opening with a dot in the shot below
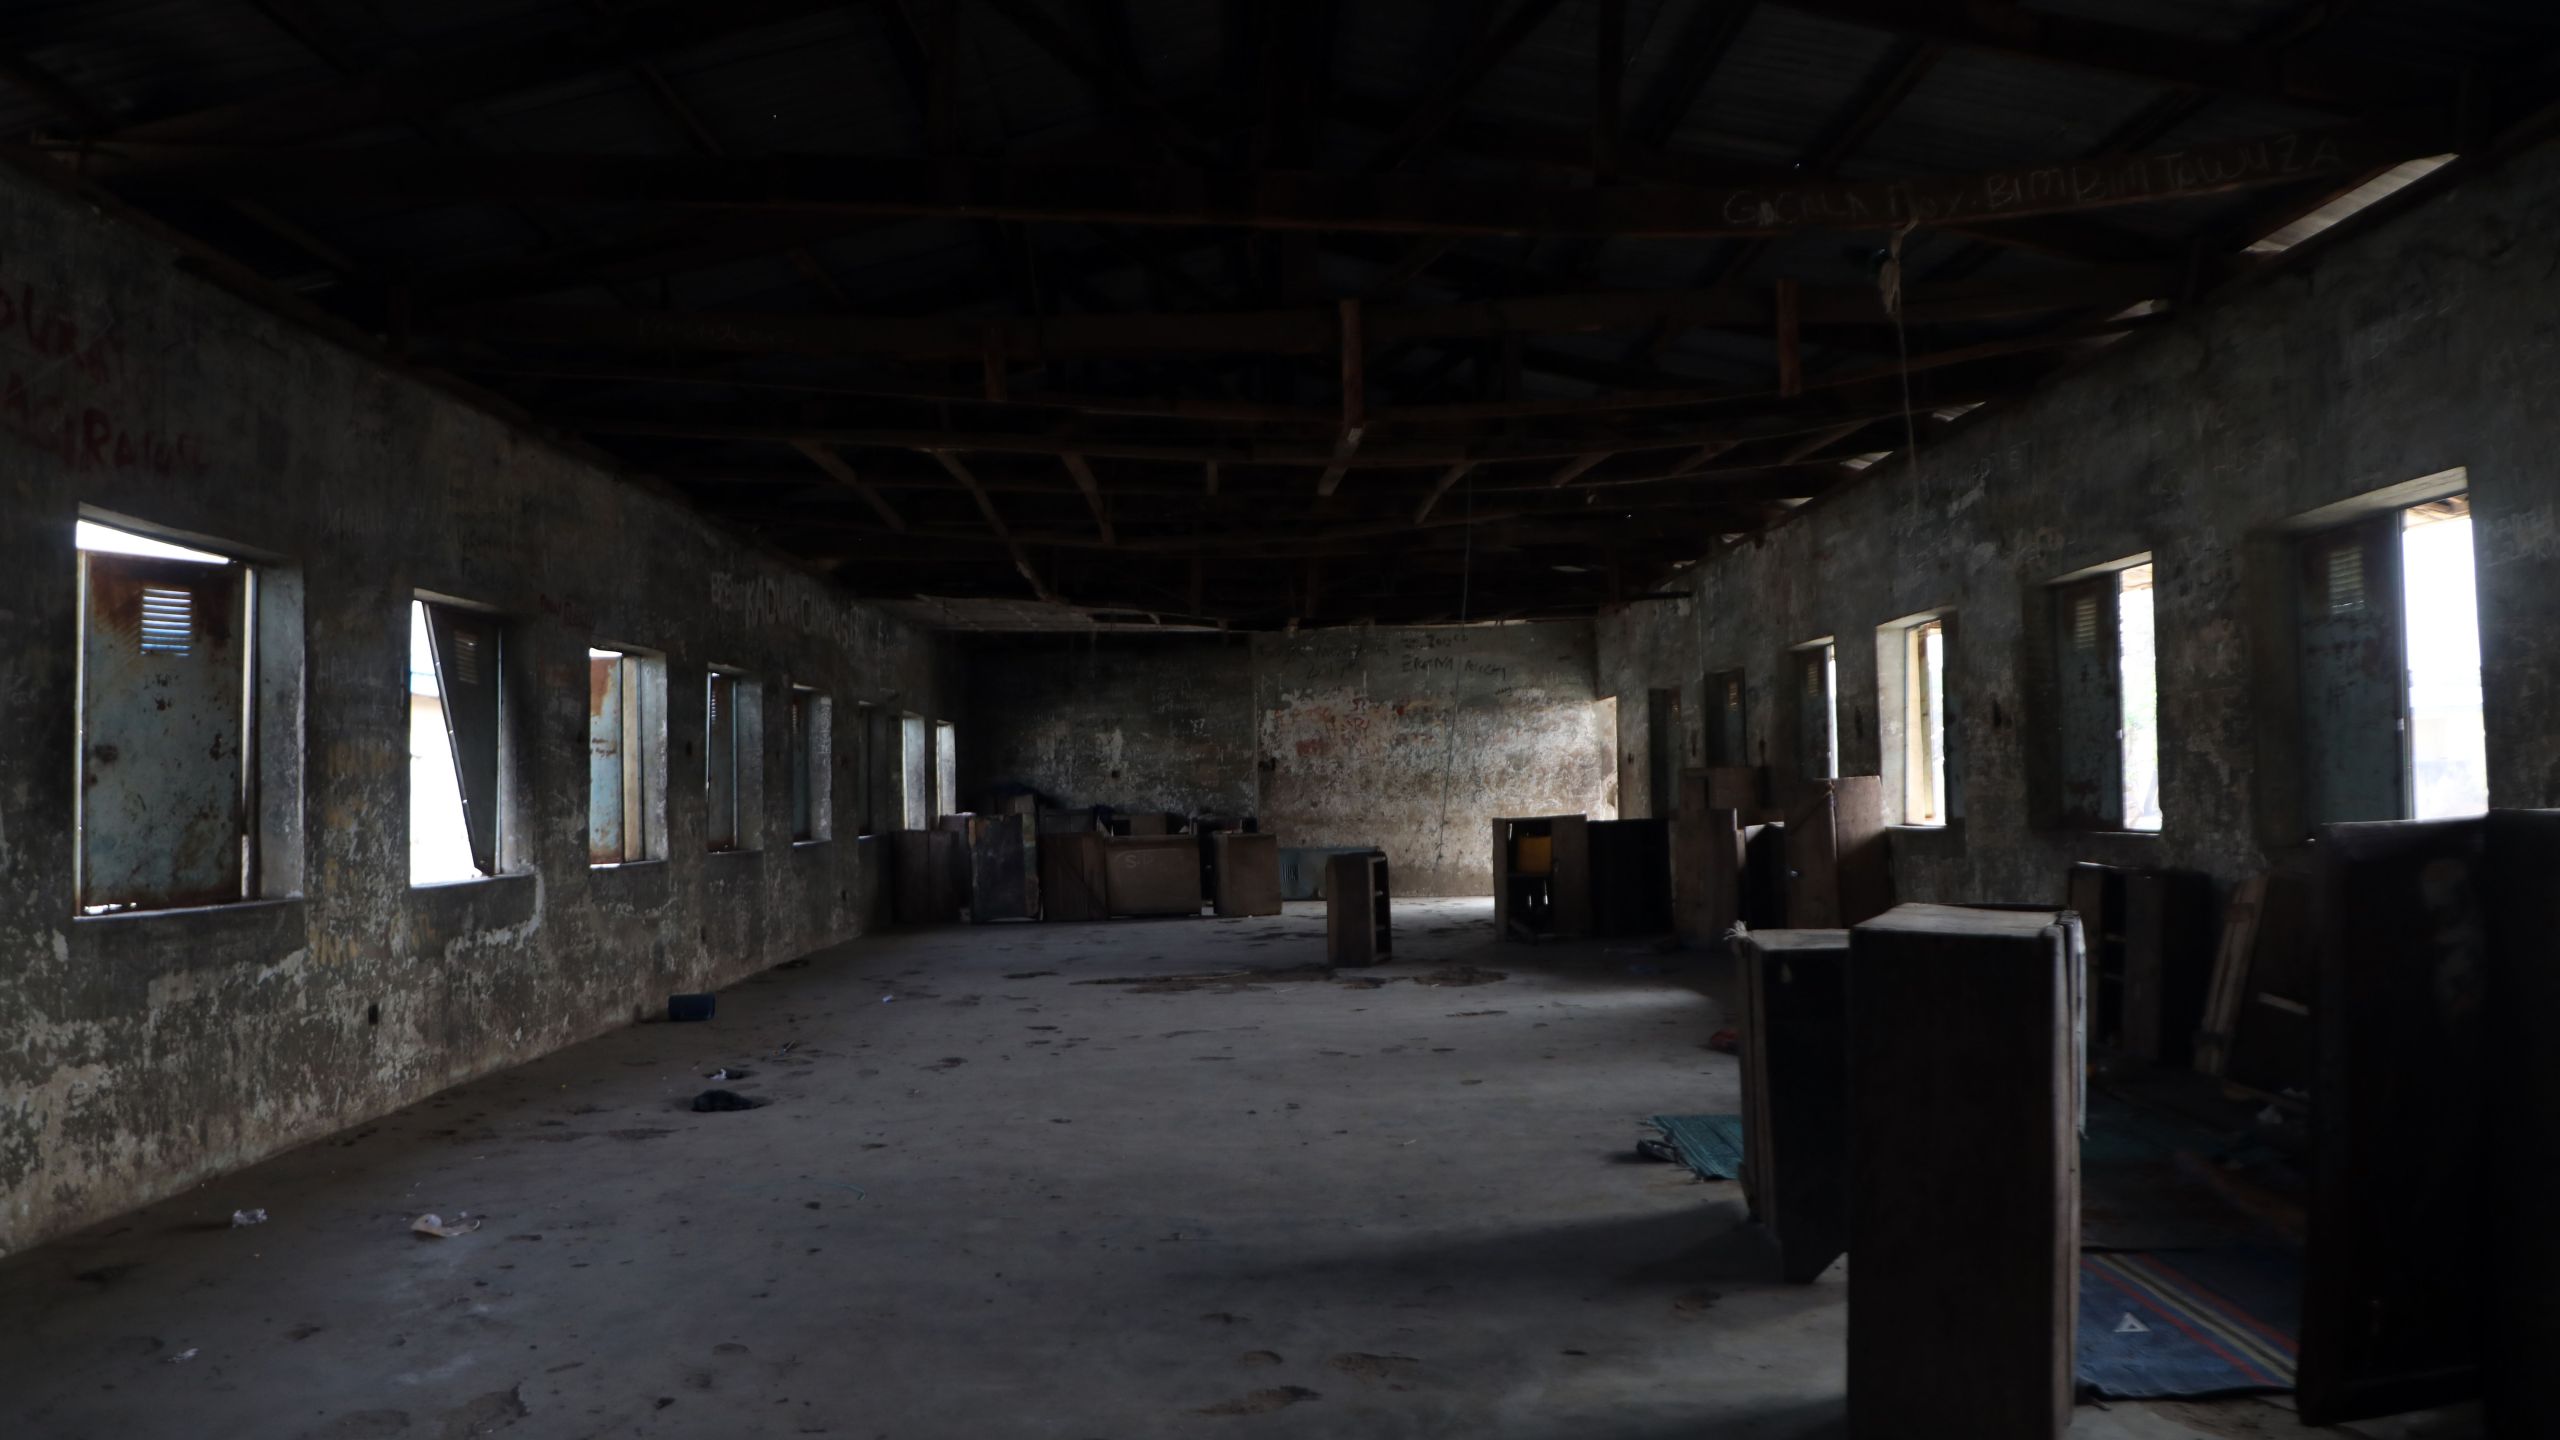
(1925, 725)
(2139, 720)
(624, 768)
(453, 744)
(946, 769)
(1818, 709)
(165, 719)
(2448, 738)
(812, 765)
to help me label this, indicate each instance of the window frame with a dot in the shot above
(1910, 709)
(2091, 754)
(270, 731)
(1811, 665)
(812, 766)
(745, 751)
(640, 753)
(498, 801)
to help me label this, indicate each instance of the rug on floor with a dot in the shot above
(1711, 1145)
(2176, 1324)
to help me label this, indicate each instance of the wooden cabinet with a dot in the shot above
(1074, 881)
(1795, 1091)
(1245, 873)
(2150, 942)
(1630, 876)
(1837, 869)
(1541, 876)
(1004, 868)
(1965, 1202)
(1357, 929)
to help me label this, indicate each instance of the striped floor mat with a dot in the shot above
(2158, 1324)
(1710, 1145)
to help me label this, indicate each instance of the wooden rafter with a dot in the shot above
(1082, 474)
(1271, 200)
(837, 469)
(1442, 486)
(1426, 120)
(446, 79)
(1307, 331)
(995, 521)
(2357, 87)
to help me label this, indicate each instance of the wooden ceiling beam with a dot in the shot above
(1417, 453)
(838, 470)
(1448, 480)
(995, 521)
(1091, 488)
(1427, 119)
(460, 76)
(2356, 87)
(1312, 330)
(1270, 200)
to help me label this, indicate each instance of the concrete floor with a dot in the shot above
(988, 1200)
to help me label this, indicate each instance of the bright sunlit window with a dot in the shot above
(2448, 746)
(1924, 771)
(439, 842)
(2140, 689)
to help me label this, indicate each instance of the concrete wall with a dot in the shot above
(2428, 344)
(143, 1052)
(1411, 738)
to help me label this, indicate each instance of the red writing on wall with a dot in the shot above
(57, 392)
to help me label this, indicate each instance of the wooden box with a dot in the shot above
(1248, 873)
(1074, 879)
(1965, 1202)
(1795, 1091)
(1153, 874)
(1357, 927)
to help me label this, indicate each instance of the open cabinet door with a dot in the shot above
(2398, 1267)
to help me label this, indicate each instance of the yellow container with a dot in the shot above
(1533, 855)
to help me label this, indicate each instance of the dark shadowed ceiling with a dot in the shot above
(1177, 312)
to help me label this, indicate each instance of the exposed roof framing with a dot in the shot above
(1216, 314)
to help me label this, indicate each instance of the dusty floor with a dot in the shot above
(990, 1200)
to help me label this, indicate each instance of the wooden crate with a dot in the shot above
(1965, 1211)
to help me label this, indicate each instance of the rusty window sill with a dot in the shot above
(736, 852)
(630, 865)
(813, 844)
(259, 905)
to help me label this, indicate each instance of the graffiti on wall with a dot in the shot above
(61, 384)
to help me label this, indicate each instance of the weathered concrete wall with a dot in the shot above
(1139, 722)
(144, 1052)
(1412, 739)
(2426, 345)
